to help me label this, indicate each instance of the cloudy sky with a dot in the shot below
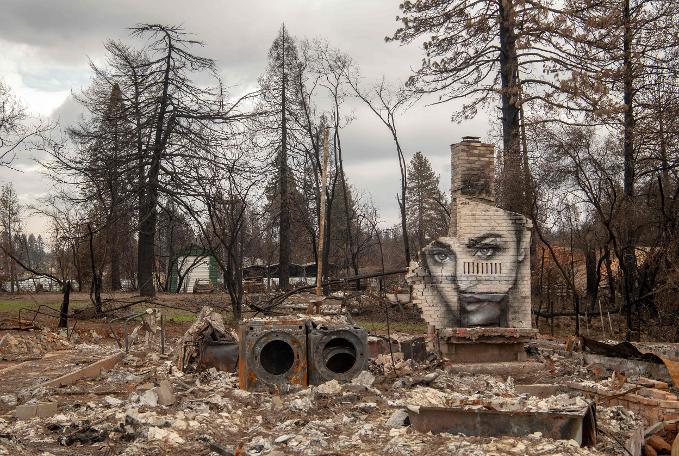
(46, 46)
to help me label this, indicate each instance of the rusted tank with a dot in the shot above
(222, 355)
(272, 353)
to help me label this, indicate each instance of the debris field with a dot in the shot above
(85, 395)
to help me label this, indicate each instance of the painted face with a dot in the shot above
(488, 254)
(482, 261)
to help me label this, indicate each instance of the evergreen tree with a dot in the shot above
(301, 222)
(426, 214)
(281, 98)
(107, 144)
(10, 223)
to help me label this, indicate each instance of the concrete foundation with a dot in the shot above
(482, 345)
(483, 353)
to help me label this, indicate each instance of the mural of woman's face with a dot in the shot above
(483, 262)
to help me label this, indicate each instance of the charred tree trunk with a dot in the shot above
(284, 228)
(149, 216)
(63, 313)
(402, 201)
(347, 210)
(629, 266)
(512, 178)
(609, 275)
(146, 251)
(78, 269)
(326, 245)
(234, 284)
(116, 283)
(592, 270)
(10, 246)
(95, 289)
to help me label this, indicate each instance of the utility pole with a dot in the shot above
(321, 223)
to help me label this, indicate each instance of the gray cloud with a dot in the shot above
(63, 35)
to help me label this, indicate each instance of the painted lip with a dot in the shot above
(482, 297)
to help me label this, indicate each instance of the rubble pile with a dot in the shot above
(147, 404)
(15, 347)
(208, 329)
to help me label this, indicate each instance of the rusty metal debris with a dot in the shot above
(335, 352)
(277, 352)
(626, 357)
(207, 343)
(272, 353)
(152, 322)
(578, 426)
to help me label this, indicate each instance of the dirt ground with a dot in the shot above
(179, 312)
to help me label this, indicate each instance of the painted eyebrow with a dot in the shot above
(440, 245)
(477, 240)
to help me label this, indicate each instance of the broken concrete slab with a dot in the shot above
(518, 370)
(149, 398)
(165, 394)
(91, 371)
(330, 388)
(38, 410)
(165, 435)
(365, 378)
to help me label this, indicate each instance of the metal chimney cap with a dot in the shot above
(471, 139)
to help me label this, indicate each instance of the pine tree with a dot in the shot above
(281, 98)
(426, 214)
(10, 223)
(301, 245)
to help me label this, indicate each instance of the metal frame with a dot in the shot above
(131, 317)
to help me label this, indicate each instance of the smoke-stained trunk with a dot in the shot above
(402, 201)
(629, 265)
(512, 180)
(116, 282)
(149, 215)
(63, 313)
(284, 228)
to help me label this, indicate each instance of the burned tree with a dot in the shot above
(171, 125)
(387, 102)
(280, 98)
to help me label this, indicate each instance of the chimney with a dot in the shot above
(472, 169)
(472, 172)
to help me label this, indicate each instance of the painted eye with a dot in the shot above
(485, 252)
(442, 257)
(486, 246)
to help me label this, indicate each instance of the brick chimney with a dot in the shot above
(472, 172)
